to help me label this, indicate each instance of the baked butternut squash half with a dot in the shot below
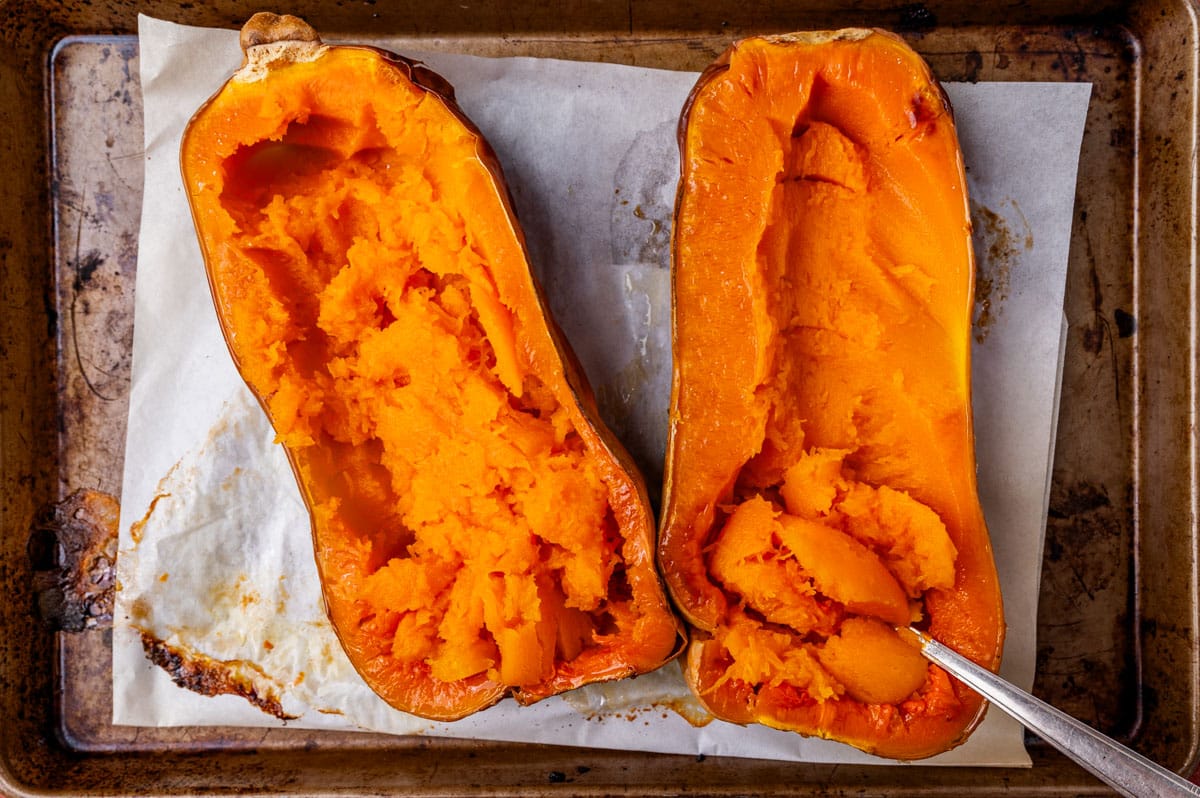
(820, 479)
(477, 530)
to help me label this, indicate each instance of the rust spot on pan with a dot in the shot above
(72, 548)
(205, 675)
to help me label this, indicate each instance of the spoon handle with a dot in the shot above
(1123, 769)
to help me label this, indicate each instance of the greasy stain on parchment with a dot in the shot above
(655, 693)
(632, 400)
(1001, 235)
(641, 207)
(226, 622)
(164, 489)
(137, 528)
(644, 198)
(188, 667)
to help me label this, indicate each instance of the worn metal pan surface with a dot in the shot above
(1118, 621)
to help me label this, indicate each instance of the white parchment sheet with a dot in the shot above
(216, 557)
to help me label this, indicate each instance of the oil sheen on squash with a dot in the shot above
(820, 486)
(477, 531)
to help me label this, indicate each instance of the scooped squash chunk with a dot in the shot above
(751, 561)
(820, 477)
(873, 663)
(477, 529)
(781, 579)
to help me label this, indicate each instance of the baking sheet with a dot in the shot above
(595, 208)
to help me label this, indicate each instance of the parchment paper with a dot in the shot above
(216, 558)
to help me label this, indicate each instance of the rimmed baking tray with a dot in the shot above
(1117, 626)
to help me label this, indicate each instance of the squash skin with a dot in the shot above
(727, 357)
(630, 628)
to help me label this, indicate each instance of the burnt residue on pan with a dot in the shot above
(205, 675)
(72, 549)
(916, 19)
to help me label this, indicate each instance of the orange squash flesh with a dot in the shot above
(820, 481)
(478, 532)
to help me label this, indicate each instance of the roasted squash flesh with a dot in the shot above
(477, 531)
(820, 485)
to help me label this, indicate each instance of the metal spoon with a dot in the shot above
(1126, 771)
